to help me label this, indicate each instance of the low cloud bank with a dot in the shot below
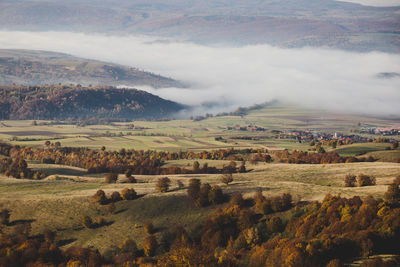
(240, 76)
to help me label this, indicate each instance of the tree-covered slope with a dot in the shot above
(61, 102)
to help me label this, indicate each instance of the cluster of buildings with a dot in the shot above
(381, 130)
(307, 136)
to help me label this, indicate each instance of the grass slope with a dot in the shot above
(60, 204)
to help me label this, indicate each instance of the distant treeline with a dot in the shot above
(136, 161)
(69, 102)
(151, 162)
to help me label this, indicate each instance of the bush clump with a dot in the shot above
(163, 184)
(111, 178)
(128, 193)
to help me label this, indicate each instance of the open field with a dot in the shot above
(359, 149)
(178, 135)
(60, 203)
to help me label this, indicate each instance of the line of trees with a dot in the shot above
(151, 162)
(18, 168)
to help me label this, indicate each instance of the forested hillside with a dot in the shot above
(63, 102)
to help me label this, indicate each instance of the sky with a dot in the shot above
(380, 3)
(230, 77)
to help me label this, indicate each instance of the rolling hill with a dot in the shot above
(61, 102)
(30, 67)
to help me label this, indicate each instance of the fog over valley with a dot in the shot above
(232, 76)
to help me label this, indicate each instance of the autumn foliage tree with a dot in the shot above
(392, 195)
(227, 178)
(128, 193)
(163, 184)
(115, 196)
(365, 180)
(150, 245)
(216, 196)
(100, 197)
(111, 178)
(350, 180)
(193, 190)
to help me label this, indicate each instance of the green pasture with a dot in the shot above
(359, 149)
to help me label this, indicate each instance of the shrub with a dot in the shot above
(128, 194)
(395, 145)
(266, 207)
(99, 197)
(196, 166)
(334, 263)
(392, 195)
(163, 184)
(227, 178)
(237, 199)
(287, 201)
(5, 216)
(149, 228)
(115, 196)
(49, 236)
(180, 184)
(87, 221)
(246, 219)
(216, 196)
(193, 190)
(275, 225)
(128, 173)
(242, 167)
(111, 208)
(100, 221)
(111, 178)
(129, 246)
(203, 200)
(150, 245)
(396, 180)
(277, 204)
(131, 180)
(365, 180)
(350, 180)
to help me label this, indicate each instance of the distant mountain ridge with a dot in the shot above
(30, 67)
(67, 102)
(286, 23)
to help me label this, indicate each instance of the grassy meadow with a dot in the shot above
(59, 201)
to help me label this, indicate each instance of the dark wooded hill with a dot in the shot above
(68, 102)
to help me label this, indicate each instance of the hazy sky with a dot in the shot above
(376, 2)
(240, 76)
